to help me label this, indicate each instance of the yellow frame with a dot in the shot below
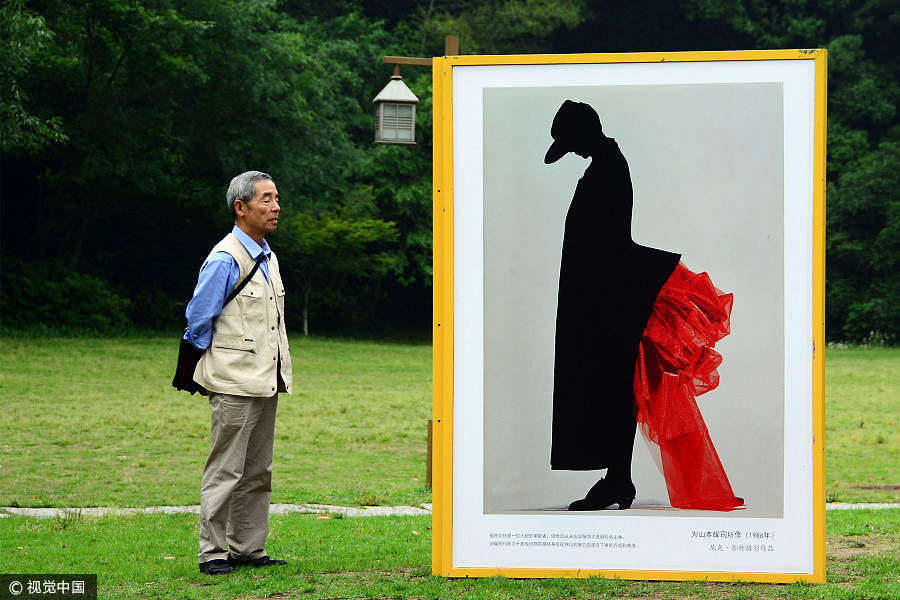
(442, 517)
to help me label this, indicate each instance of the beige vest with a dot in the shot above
(249, 336)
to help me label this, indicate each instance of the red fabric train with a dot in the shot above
(676, 363)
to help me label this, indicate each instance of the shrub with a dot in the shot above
(50, 295)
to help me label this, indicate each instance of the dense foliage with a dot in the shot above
(121, 122)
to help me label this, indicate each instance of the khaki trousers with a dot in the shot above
(237, 478)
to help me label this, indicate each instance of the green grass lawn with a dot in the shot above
(154, 556)
(95, 422)
(862, 443)
(90, 422)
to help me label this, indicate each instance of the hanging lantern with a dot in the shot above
(395, 113)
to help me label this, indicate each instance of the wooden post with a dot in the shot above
(451, 45)
(428, 460)
(451, 48)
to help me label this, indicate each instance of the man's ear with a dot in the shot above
(239, 208)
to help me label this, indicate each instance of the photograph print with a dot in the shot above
(628, 338)
(633, 299)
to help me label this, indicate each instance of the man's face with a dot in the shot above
(260, 214)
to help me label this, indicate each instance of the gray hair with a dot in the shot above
(243, 188)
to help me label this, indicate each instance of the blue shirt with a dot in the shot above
(218, 276)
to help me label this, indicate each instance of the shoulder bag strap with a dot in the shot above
(240, 286)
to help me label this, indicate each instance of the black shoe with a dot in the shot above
(218, 566)
(263, 561)
(605, 494)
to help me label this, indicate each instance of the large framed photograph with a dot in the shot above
(629, 315)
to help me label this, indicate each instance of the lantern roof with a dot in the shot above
(395, 91)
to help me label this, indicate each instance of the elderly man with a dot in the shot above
(245, 365)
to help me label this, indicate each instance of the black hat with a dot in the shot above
(573, 120)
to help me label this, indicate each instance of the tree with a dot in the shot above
(864, 246)
(123, 120)
(23, 37)
(162, 102)
(339, 248)
(499, 26)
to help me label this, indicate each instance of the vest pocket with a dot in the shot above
(253, 289)
(234, 342)
(253, 300)
(232, 358)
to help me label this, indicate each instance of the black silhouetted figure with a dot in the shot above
(607, 288)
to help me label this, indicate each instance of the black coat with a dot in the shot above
(607, 287)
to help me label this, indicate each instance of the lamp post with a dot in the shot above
(395, 112)
(395, 104)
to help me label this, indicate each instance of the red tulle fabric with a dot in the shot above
(676, 363)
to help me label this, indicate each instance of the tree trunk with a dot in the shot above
(374, 297)
(46, 213)
(306, 310)
(80, 237)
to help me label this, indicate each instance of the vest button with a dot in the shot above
(273, 329)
